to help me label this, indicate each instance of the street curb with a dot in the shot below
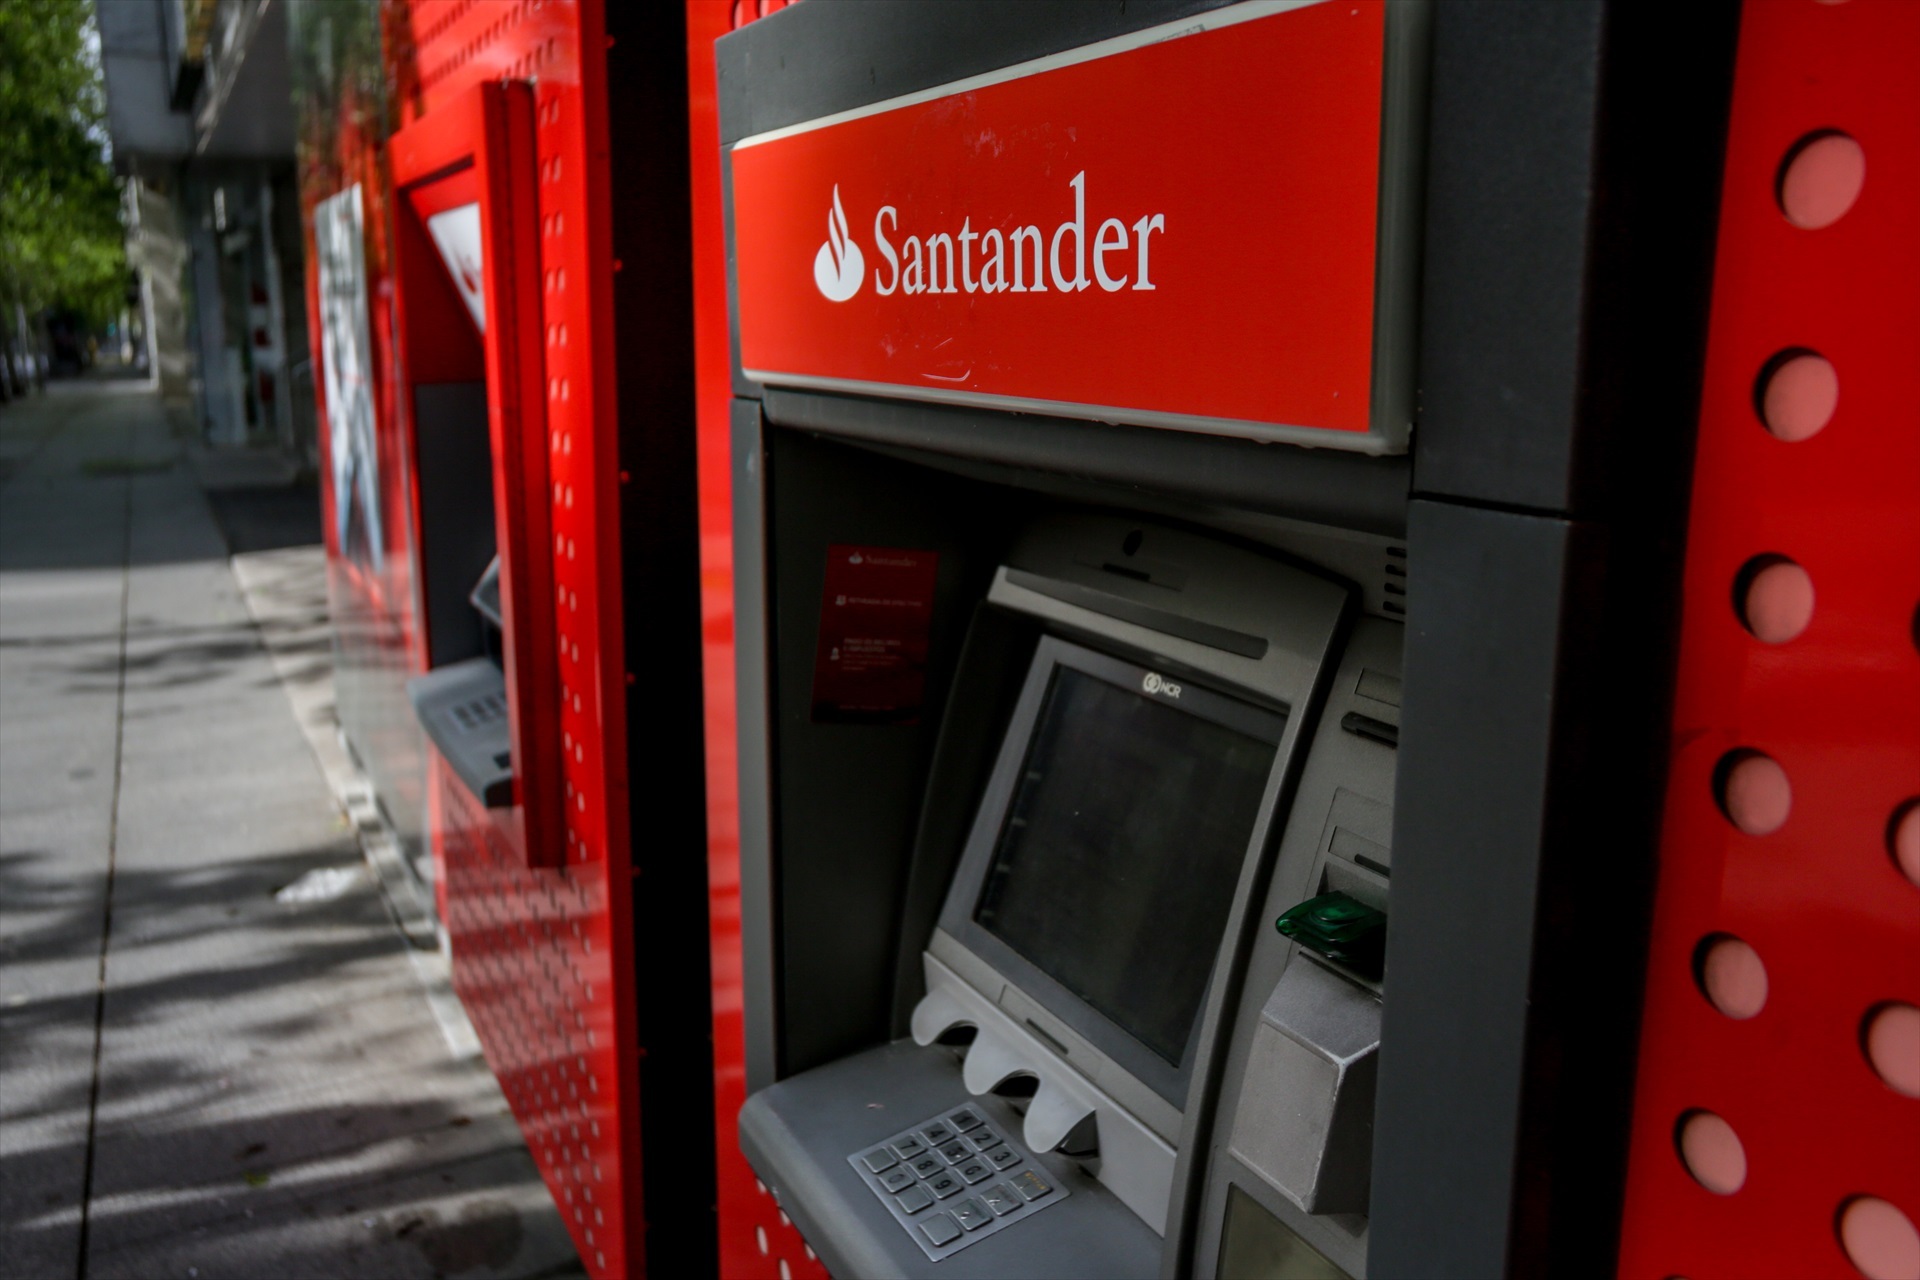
(277, 588)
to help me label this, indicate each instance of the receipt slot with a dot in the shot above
(1185, 778)
(469, 315)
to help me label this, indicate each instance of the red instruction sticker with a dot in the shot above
(876, 613)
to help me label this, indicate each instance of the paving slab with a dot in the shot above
(62, 588)
(219, 1056)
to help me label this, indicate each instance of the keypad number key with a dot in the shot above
(908, 1147)
(975, 1171)
(972, 1214)
(897, 1178)
(956, 1152)
(983, 1139)
(937, 1135)
(927, 1165)
(1002, 1157)
(964, 1121)
(1001, 1199)
(946, 1183)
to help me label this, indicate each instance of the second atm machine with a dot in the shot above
(1076, 549)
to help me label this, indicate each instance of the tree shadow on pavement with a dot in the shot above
(274, 1097)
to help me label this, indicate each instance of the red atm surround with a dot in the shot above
(1824, 904)
(1536, 135)
(478, 149)
(580, 954)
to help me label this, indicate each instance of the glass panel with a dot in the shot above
(1258, 1246)
(1115, 869)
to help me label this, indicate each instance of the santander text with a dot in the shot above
(944, 262)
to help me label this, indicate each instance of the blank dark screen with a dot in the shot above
(1116, 865)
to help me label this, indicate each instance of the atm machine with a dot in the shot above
(1202, 631)
(466, 232)
(1165, 915)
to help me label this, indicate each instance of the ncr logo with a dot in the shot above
(1155, 683)
(839, 267)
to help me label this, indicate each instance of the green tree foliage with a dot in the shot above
(61, 241)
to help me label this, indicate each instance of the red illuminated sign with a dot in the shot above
(1178, 228)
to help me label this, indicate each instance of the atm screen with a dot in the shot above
(1115, 865)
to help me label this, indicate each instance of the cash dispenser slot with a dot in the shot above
(466, 252)
(1305, 1123)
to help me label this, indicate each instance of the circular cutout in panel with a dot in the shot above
(1903, 840)
(1796, 394)
(1712, 1153)
(1730, 975)
(1773, 597)
(1879, 1239)
(1820, 179)
(1753, 791)
(1890, 1037)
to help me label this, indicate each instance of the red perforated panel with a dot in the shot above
(532, 965)
(1762, 1118)
(542, 958)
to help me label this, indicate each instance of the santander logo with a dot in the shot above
(839, 267)
(1013, 259)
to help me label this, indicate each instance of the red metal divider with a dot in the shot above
(1777, 1118)
(542, 956)
(757, 1241)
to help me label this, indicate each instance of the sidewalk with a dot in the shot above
(217, 1054)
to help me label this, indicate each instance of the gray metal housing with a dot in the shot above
(1218, 617)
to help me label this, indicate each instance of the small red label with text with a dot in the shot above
(876, 615)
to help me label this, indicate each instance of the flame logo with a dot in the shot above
(470, 278)
(839, 267)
